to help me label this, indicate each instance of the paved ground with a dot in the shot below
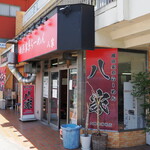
(144, 147)
(29, 135)
(7, 144)
(17, 135)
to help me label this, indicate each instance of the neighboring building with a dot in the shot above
(8, 10)
(71, 70)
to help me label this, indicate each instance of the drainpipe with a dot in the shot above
(12, 67)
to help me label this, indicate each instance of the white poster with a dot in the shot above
(54, 93)
(45, 87)
(54, 83)
(70, 84)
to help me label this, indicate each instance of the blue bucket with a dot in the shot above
(71, 136)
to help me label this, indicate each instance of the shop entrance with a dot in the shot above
(58, 101)
(63, 97)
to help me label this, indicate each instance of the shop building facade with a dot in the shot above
(71, 69)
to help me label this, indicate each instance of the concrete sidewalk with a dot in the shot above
(7, 144)
(32, 135)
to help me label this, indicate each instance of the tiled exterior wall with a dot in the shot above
(19, 21)
(125, 139)
(113, 139)
(132, 138)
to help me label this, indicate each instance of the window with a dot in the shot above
(8, 10)
(4, 10)
(13, 10)
(129, 109)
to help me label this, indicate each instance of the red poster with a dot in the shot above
(40, 41)
(102, 87)
(2, 78)
(28, 99)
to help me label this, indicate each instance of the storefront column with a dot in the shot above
(81, 88)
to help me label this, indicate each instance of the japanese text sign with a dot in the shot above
(40, 41)
(102, 87)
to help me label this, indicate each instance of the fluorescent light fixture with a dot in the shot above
(54, 64)
(126, 73)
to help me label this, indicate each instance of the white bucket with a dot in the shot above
(85, 142)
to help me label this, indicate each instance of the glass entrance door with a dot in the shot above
(54, 101)
(63, 101)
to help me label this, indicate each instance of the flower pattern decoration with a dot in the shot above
(104, 103)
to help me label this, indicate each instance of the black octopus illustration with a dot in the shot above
(103, 106)
(101, 64)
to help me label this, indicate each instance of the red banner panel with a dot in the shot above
(40, 41)
(102, 87)
(2, 78)
(28, 100)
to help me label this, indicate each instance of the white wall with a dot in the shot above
(138, 8)
(105, 19)
(102, 39)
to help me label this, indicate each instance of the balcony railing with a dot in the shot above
(40, 4)
(90, 2)
(102, 3)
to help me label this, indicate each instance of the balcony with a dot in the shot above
(41, 7)
(102, 3)
(122, 24)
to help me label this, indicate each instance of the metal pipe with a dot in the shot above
(18, 75)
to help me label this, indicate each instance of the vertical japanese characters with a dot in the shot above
(102, 84)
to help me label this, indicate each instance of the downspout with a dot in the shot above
(12, 67)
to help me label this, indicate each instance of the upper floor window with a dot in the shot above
(8, 10)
